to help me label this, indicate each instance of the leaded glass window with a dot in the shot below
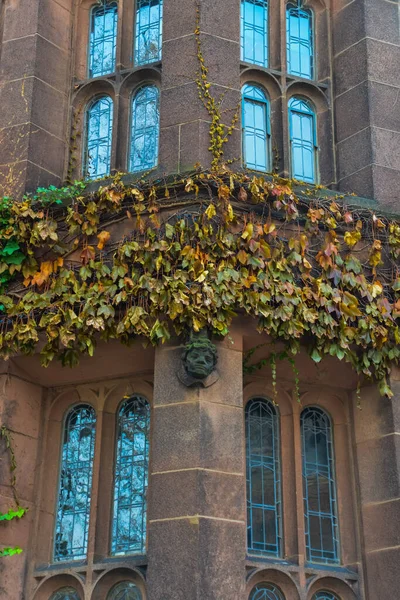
(266, 591)
(103, 38)
(74, 493)
(303, 140)
(125, 591)
(320, 510)
(99, 125)
(256, 128)
(131, 477)
(263, 478)
(66, 593)
(325, 596)
(299, 41)
(148, 36)
(254, 32)
(145, 129)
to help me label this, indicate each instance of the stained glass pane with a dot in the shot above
(145, 129)
(255, 117)
(263, 479)
(66, 593)
(72, 523)
(103, 39)
(299, 41)
(254, 32)
(148, 38)
(302, 140)
(320, 509)
(99, 120)
(131, 477)
(125, 591)
(325, 596)
(266, 591)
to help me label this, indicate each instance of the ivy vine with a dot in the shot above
(13, 513)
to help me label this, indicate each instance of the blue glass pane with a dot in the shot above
(302, 140)
(299, 40)
(254, 32)
(255, 123)
(148, 37)
(145, 129)
(72, 521)
(266, 591)
(125, 591)
(103, 39)
(99, 120)
(324, 596)
(319, 487)
(66, 593)
(263, 478)
(131, 477)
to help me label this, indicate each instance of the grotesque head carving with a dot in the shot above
(200, 356)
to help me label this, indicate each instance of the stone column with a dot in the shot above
(185, 123)
(34, 89)
(20, 412)
(377, 442)
(196, 517)
(367, 86)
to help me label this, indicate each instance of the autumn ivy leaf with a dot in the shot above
(103, 238)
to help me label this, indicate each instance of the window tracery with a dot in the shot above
(254, 32)
(103, 39)
(266, 591)
(145, 129)
(256, 128)
(66, 593)
(98, 137)
(300, 41)
(302, 127)
(148, 38)
(125, 590)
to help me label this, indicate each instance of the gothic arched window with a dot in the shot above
(256, 128)
(145, 129)
(266, 591)
(303, 140)
(324, 596)
(73, 509)
(254, 32)
(263, 478)
(131, 477)
(125, 591)
(103, 38)
(65, 593)
(321, 523)
(98, 138)
(148, 31)
(300, 41)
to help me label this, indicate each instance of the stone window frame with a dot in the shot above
(287, 572)
(118, 85)
(268, 132)
(281, 86)
(45, 575)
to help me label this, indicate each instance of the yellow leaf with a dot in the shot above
(211, 212)
(103, 238)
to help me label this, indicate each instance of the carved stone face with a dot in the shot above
(199, 362)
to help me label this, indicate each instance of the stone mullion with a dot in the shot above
(298, 462)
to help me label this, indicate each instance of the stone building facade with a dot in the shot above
(194, 540)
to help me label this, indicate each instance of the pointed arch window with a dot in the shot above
(124, 591)
(320, 507)
(303, 140)
(263, 473)
(254, 32)
(266, 591)
(148, 33)
(256, 128)
(325, 596)
(145, 129)
(103, 38)
(131, 477)
(66, 593)
(98, 138)
(75, 486)
(300, 41)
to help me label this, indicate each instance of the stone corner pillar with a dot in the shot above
(197, 507)
(377, 443)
